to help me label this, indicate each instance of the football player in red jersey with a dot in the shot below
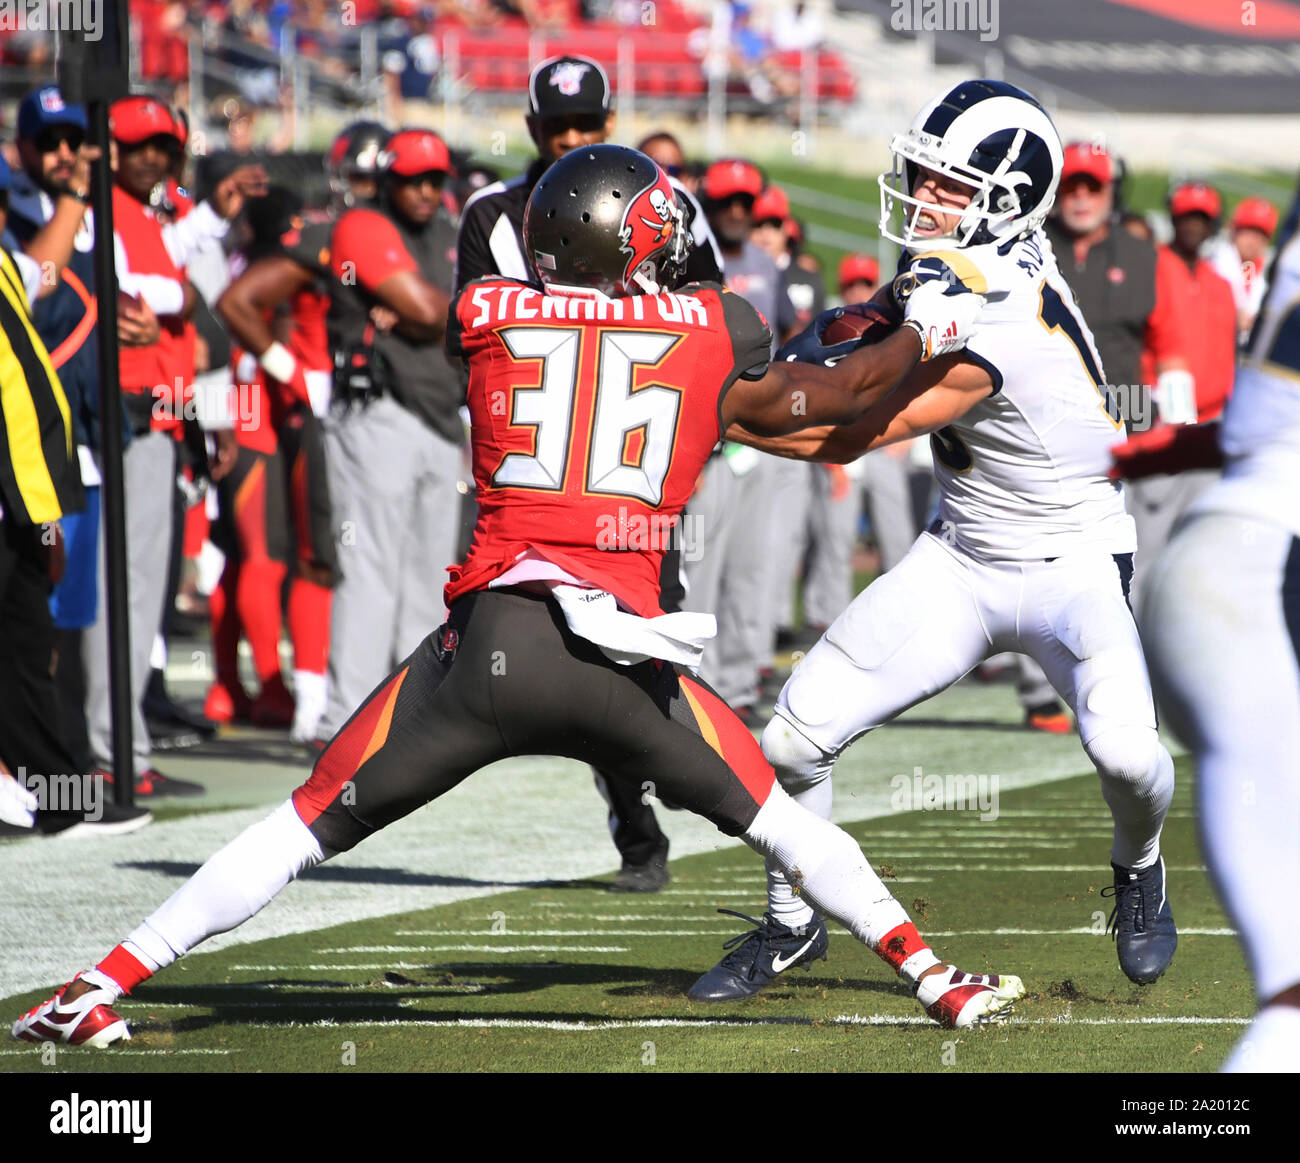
(276, 508)
(595, 403)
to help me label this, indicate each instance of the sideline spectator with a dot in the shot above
(1113, 277)
(1243, 257)
(1199, 308)
(859, 276)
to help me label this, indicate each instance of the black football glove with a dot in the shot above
(808, 347)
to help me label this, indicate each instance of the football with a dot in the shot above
(861, 319)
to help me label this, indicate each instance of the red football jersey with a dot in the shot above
(592, 419)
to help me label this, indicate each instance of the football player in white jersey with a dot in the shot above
(1221, 620)
(1032, 548)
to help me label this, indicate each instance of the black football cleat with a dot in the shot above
(1142, 921)
(758, 956)
(649, 877)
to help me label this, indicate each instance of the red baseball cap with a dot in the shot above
(416, 151)
(1195, 198)
(772, 205)
(725, 179)
(132, 120)
(1259, 213)
(1089, 159)
(858, 268)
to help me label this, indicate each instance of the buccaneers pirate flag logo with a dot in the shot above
(648, 224)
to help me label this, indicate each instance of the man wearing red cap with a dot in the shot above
(393, 446)
(1112, 275)
(858, 278)
(1196, 304)
(156, 381)
(1243, 257)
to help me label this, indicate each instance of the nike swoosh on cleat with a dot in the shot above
(778, 964)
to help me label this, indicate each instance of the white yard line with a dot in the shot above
(731, 1023)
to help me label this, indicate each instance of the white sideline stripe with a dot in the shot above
(1086, 931)
(333, 967)
(1043, 868)
(315, 1006)
(36, 1049)
(466, 949)
(994, 831)
(710, 918)
(722, 932)
(1083, 930)
(725, 1023)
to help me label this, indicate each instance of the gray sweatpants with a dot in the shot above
(396, 513)
(149, 487)
(887, 482)
(786, 524)
(833, 532)
(726, 574)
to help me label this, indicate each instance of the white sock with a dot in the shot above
(782, 902)
(309, 693)
(232, 886)
(1270, 1045)
(826, 865)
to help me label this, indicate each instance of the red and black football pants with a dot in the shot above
(504, 677)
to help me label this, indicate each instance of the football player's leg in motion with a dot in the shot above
(1074, 621)
(1221, 624)
(910, 634)
(451, 708)
(915, 631)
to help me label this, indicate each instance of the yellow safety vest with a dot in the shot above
(39, 475)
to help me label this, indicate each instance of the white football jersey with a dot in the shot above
(1023, 473)
(1261, 425)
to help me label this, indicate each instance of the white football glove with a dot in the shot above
(942, 317)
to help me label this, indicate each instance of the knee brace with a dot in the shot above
(800, 763)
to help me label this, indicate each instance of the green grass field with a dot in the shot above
(564, 976)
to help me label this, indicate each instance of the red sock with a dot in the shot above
(899, 944)
(124, 968)
(259, 611)
(309, 624)
(224, 614)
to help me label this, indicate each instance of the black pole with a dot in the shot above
(93, 71)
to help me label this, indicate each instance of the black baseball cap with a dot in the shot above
(568, 86)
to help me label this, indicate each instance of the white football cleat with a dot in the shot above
(957, 1000)
(87, 1021)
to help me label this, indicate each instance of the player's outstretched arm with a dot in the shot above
(816, 384)
(791, 396)
(932, 395)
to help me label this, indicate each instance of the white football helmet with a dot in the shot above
(989, 135)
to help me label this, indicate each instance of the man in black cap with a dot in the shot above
(569, 107)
